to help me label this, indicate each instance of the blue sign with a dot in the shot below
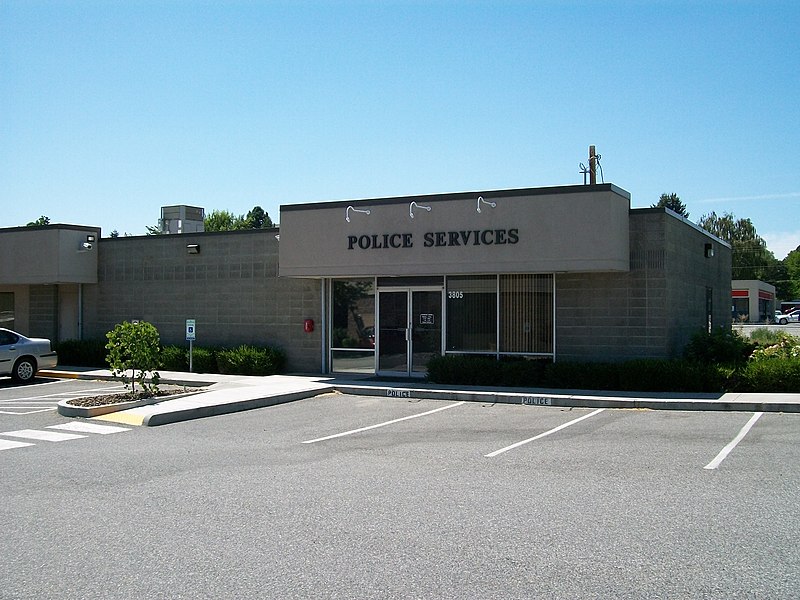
(190, 330)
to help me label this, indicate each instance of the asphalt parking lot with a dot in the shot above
(353, 496)
(43, 394)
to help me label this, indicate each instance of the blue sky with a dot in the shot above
(110, 110)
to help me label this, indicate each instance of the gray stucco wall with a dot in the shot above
(653, 309)
(230, 288)
(540, 230)
(48, 254)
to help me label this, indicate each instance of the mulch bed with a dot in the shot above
(106, 399)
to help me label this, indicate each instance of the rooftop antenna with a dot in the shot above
(594, 162)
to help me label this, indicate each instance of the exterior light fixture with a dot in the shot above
(482, 201)
(709, 250)
(358, 210)
(193, 248)
(415, 205)
(88, 244)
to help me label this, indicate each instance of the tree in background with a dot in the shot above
(751, 259)
(672, 202)
(258, 219)
(40, 221)
(224, 220)
(792, 264)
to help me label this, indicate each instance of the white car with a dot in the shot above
(23, 357)
(790, 317)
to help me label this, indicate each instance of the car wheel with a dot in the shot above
(783, 321)
(24, 370)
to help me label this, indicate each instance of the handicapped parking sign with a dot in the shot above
(190, 330)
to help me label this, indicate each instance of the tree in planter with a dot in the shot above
(135, 347)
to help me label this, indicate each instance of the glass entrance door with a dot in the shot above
(392, 339)
(409, 330)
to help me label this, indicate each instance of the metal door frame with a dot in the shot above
(409, 291)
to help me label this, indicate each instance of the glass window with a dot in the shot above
(526, 313)
(472, 313)
(7, 310)
(353, 326)
(741, 309)
(353, 361)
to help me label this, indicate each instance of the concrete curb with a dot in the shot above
(87, 412)
(568, 400)
(229, 394)
(90, 375)
(199, 412)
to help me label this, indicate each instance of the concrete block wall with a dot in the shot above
(690, 273)
(230, 287)
(652, 310)
(43, 315)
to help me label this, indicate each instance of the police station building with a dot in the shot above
(378, 286)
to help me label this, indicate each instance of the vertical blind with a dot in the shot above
(521, 305)
(526, 313)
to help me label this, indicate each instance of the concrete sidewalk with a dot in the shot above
(221, 394)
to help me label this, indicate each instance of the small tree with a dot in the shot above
(135, 347)
(672, 202)
(43, 220)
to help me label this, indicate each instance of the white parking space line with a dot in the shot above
(734, 442)
(82, 427)
(46, 436)
(26, 411)
(8, 444)
(384, 424)
(541, 435)
(67, 394)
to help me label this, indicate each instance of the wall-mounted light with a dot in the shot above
(358, 210)
(414, 205)
(88, 244)
(709, 250)
(482, 201)
(193, 248)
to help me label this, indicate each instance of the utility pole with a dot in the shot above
(592, 166)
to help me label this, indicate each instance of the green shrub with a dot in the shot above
(784, 346)
(204, 360)
(464, 369)
(638, 375)
(586, 376)
(772, 369)
(657, 375)
(134, 347)
(250, 360)
(721, 346)
(765, 337)
(521, 372)
(174, 358)
(773, 375)
(81, 353)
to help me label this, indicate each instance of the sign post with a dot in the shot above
(190, 337)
